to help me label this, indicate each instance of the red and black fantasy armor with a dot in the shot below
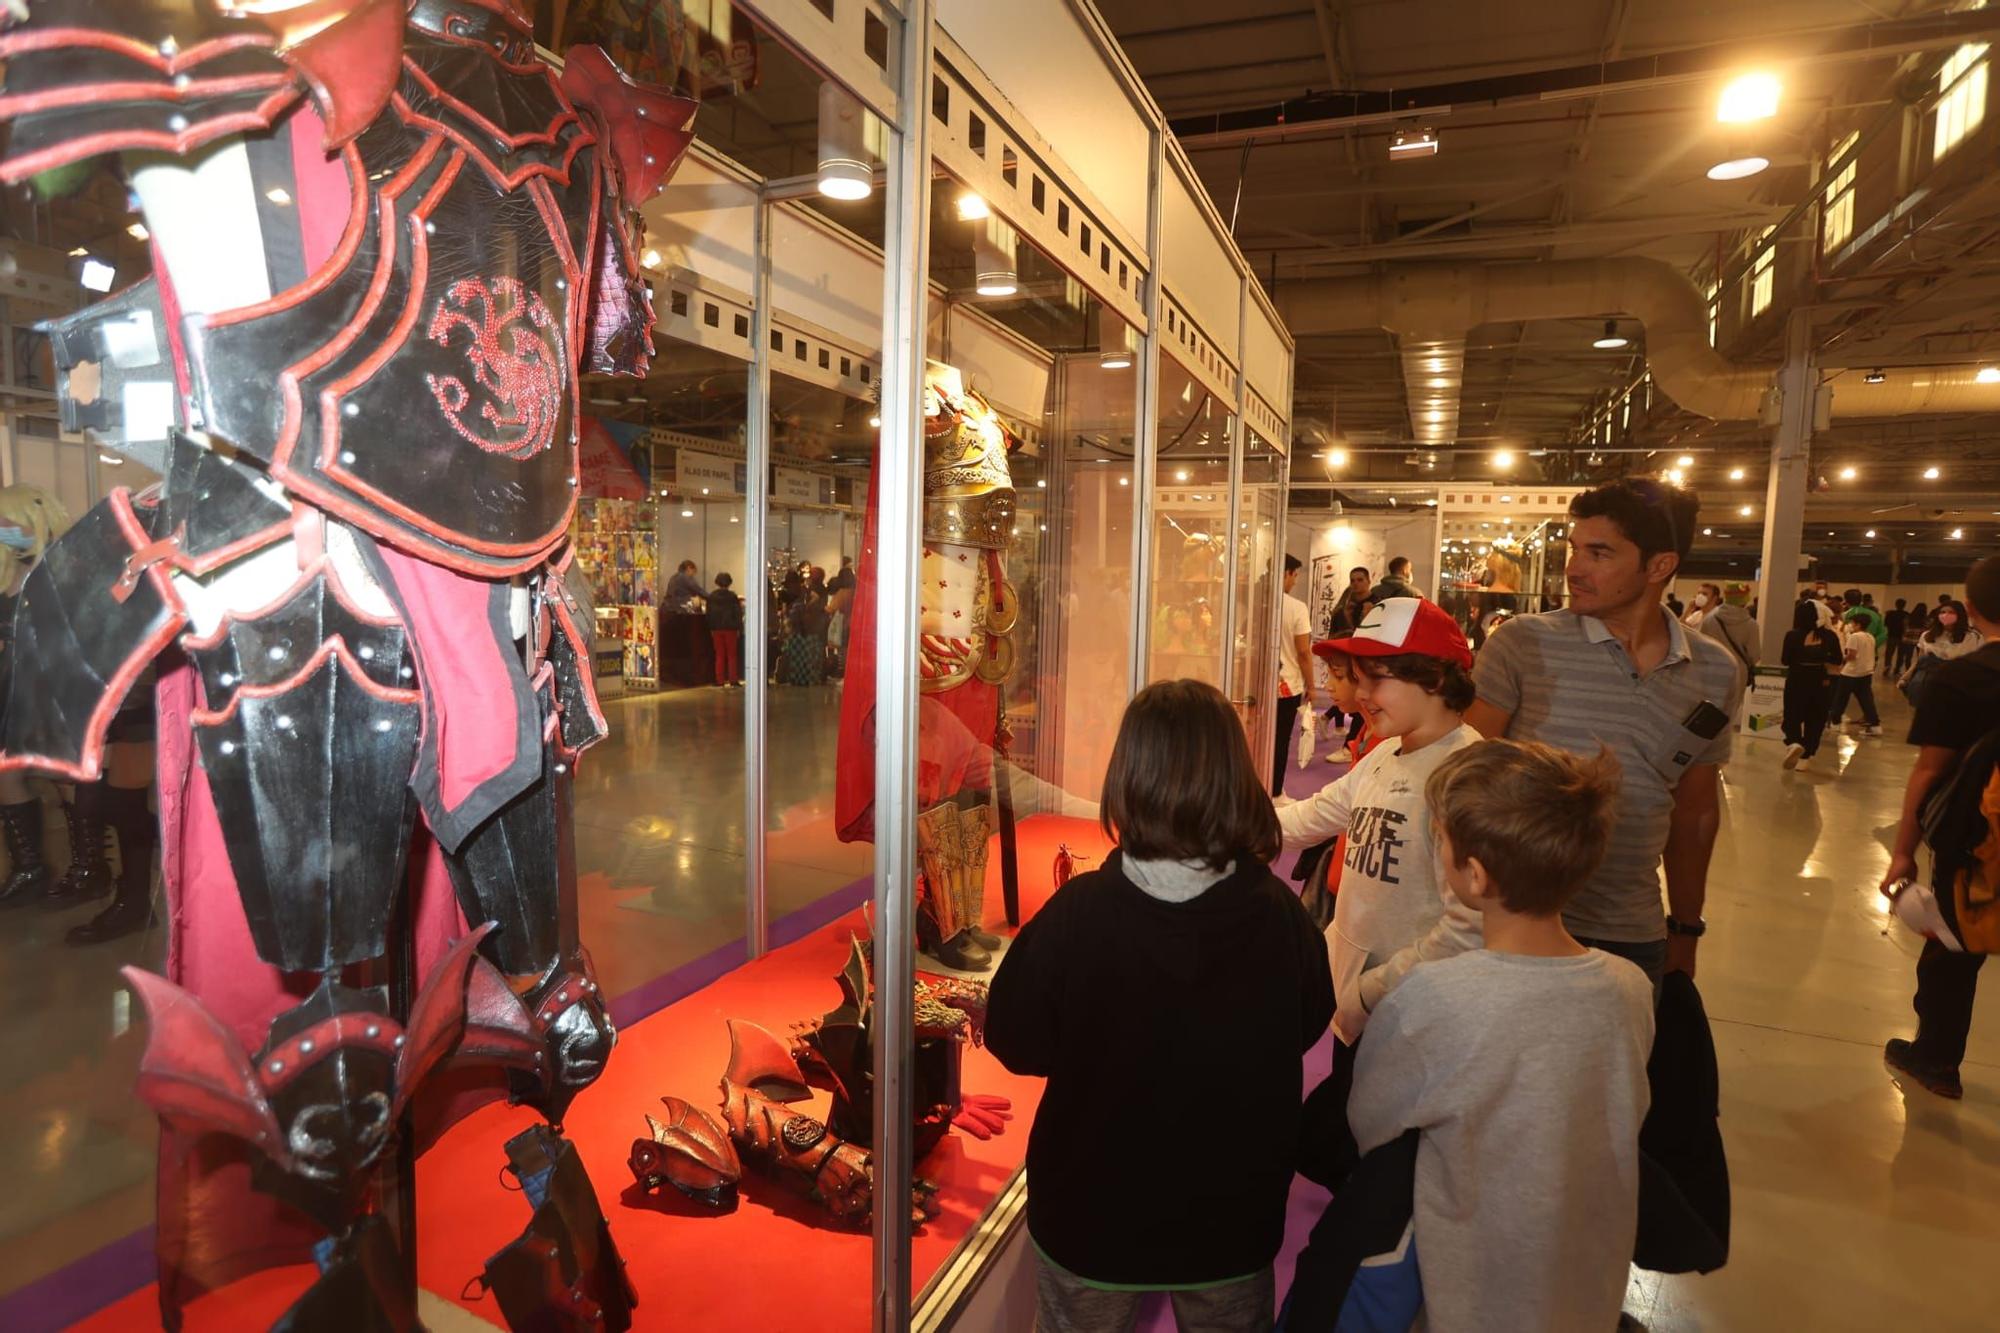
(359, 545)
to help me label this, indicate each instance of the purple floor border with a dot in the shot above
(116, 1270)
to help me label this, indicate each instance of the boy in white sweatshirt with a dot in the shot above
(1411, 667)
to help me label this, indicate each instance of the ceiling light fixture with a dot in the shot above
(1849, 473)
(1988, 375)
(1612, 339)
(972, 207)
(1874, 377)
(1114, 340)
(1957, 533)
(1931, 474)
(1870, 534)
(875, 423)
(1336, 458)
(1745, 511)
(1737, 168)
(993, 271)
(1748, 97)
(1708, 532)
(844, 170)
(78, 253)
(1503, 459)
(1420, 142)
(1684, 461)
(1736, 474)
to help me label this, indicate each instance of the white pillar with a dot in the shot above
(1785, 494)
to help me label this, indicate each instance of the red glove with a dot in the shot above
(983, 1116)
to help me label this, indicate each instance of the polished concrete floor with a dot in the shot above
(1858, 1204)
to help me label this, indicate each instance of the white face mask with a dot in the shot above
(1701, 599)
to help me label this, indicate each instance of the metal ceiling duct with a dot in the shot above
(1445, 302)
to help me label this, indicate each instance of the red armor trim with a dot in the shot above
(547, 135)
(508, 181)
(335, 647)
(350, 240)
(648, 128)
(141, 657)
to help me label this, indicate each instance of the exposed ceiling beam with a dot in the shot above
(1323, 113)
(1292, 262)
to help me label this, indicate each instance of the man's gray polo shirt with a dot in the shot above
(1569, 683)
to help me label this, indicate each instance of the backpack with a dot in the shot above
(1917, 679)
(1961, 824)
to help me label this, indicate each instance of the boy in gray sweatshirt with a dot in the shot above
(1522, 1064)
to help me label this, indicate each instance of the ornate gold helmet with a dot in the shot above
(968, 489)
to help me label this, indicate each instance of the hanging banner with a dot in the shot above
(605, 469)
(695, 471)
(790, 485)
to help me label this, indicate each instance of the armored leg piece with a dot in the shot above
(563, 1275)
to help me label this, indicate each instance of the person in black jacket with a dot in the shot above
(1167, 998)
(1810, 653)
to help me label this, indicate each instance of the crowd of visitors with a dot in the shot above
(1494, 947)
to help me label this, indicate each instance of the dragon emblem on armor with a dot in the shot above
(509, 332)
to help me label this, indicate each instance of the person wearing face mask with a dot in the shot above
(1951, 634)
(1706, 599)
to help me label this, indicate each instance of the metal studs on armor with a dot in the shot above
(228, 747)
(306, 1046)
(277, 1066)
(372, 1031)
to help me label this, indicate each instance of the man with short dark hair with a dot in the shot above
(1295, 668)
(1958, 707)
(1348, 612)
(844, 579)
(1396, 583)
(1614, 670)
(1901, 642)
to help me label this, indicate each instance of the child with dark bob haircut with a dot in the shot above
(1170, 991)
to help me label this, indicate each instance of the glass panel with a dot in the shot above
(1257, 546)
(1190, 513)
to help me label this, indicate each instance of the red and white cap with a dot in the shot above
(1404, 625)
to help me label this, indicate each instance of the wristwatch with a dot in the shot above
(1693, 932)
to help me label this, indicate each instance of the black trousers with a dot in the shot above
(1288, 718)
(1806, 699)
(1854, 687)
(1946, 985)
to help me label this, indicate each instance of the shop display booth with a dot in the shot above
(959, 378)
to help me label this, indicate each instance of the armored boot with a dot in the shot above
(940, 932)
(27, 874)
(975, 833)
(131, 909)
(89, 874)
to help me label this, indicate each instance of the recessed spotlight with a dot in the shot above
(1736, 474)
(1737, 168)
(1931, 474)
(1745, 511)
(1180, 474)
(1124, 481)
(1849, 473)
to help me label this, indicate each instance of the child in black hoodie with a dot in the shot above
(1167, 998)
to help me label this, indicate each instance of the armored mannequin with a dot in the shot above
(967, 613)
(387, 239)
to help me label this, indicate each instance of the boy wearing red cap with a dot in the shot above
(1411, 668)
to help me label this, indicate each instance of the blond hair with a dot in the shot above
(35, 512)
(1536, 817)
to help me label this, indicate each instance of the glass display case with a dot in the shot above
(966, 431)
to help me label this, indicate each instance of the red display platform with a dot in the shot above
(775, 1261)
